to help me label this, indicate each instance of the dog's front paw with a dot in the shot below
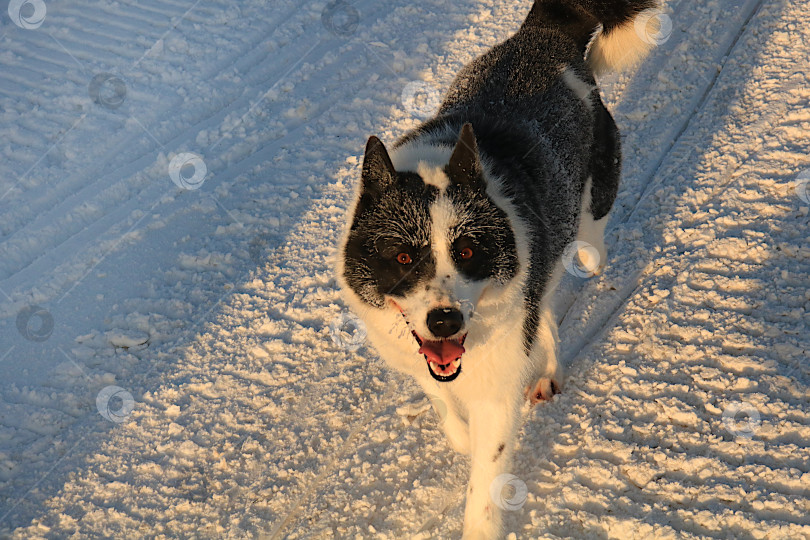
(545, 389)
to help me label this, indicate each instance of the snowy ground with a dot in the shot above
(168, 367)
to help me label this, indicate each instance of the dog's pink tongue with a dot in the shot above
(441, 352)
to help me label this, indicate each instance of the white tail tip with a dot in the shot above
(628, 44)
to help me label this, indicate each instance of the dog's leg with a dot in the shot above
(455, 428)
(592, 232)
(493, 428)
(544, 358)
(600, 189)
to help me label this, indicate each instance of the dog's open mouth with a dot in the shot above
(443, 357)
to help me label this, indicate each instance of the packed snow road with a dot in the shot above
(176, 360)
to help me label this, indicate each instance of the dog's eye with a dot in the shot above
(404, 258)
(466, 253)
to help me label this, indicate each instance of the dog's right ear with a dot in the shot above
(465, 164)
(378, 171)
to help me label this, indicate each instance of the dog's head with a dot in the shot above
(429, 243)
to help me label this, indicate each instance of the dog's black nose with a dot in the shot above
(444, 322)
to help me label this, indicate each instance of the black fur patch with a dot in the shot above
(486, 231)
(566, 17)
(499, 452)
(605, 162)
(580, 18)
(386, 224)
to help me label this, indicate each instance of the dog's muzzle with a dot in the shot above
(443, 355)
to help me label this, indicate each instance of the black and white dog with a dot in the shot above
(457, 239)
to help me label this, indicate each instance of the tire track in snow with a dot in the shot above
(40, 210)
(650, 180)
(246, 102)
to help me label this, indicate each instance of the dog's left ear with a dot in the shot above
(465, 166)
(378, 171)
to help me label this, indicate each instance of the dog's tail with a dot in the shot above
(629, 28)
